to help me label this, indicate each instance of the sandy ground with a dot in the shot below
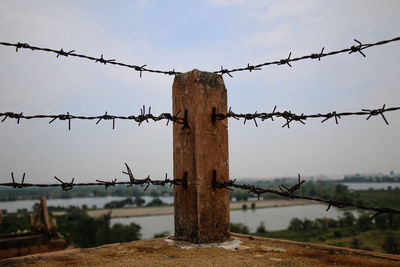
(132, 212)
(240, 250)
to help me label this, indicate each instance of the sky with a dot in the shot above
(204, 35)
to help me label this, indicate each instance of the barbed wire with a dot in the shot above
(132, 181)
(353, 49)
(143, 117)
(289, 192)
(291, 117)
(100, 59)
(286, 61)
(285, 191)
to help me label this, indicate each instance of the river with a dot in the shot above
(99, 202)
(366, 186)
(274, 218)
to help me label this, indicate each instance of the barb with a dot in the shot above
(17, 185)
(289, 193)
(147, 181)
(353, 49)
(100, 59)
(132, 181)
(140, 118)
(107, 184)
(291, 117)
(66, 186)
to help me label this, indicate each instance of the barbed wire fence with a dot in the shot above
(289, 192)
(290, 117)
(66, 186)
(100, 59)
(142, 117)
(285, 191)
(360, 47)
(146, 117)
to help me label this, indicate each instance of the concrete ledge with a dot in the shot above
(240, 250)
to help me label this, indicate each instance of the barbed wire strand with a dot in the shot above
(286, 61)
(145, 117)
(292, 117)
(100, 59)
(139, 118)
(288, 192)
(132, 181)
(353, 49)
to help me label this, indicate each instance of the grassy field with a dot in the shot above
(373, 240)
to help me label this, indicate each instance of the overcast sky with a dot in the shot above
(184, 35)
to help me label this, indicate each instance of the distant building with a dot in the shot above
(42, 237)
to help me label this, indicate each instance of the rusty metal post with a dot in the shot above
(200, 149)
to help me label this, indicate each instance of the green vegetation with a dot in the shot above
(362, 233)
(162, 234)
(239, 228)
(155, 202)
(323, 189)
(86, 231)
(139, 201)
(261, 229)
(115, 204)
(78, 227)
(14, 222)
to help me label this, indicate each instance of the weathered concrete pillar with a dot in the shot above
(201, 211)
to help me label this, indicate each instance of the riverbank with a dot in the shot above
(166, 210)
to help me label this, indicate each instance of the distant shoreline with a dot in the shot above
(168, 210)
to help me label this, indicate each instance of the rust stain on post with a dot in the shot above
(201, 211)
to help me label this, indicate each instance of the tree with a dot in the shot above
(340, 189)
(240, 195)
(295, 224)
(325, 223)
(124, 233)
(364, 223)
(13, 222)
(239, 228)
(381, 221)
(261, 229)
(86, 231)
(139, 201)
(308, 224)
(155, 202)
(347, 220)
(116, 204)
(313, 192)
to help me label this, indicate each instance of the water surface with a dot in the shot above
(274, 218)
